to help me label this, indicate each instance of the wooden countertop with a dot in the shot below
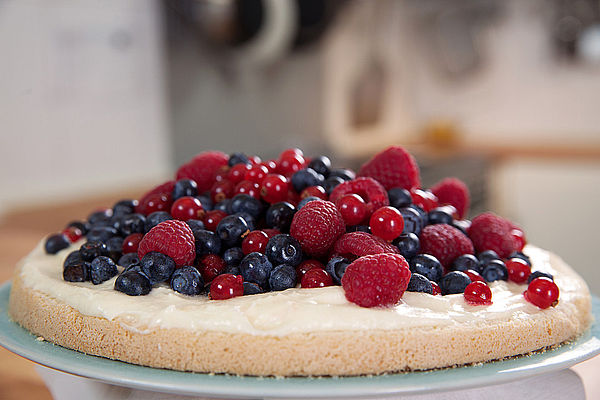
(21, 230)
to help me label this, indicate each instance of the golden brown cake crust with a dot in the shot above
(318, 353)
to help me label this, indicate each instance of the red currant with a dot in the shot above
(221, 190)
(435, 289)
(271, 232)
(315, 191)
(290, 164)
(387, 223)
(237, 173)
(306, 266)
(255, 241)
(249, 188)
(518, 270)
(292, 196)
(474, 275)
(519, 236)
(478, 294)
(316, 277)
(226, 286)
(274, 188)
(254, 160)
(72, 233)
(353, 209)
(256, 173)
(271, 165)
(294, 151)
(424, 199)
(210, 266)
(187, 207)
(222, 173)
(542, 292)
(131, 243)
(212, 219)
(156, 202)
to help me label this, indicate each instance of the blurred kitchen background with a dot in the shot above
(106, 97)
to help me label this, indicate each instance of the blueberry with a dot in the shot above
(231, 230)
(124, 207)
(305, 178)
(399, 197)
(331, 183)
(250, 220)
(92, 249)
(101, 217)
(102, 269)
(114, 246)
(336, 267)
(195, 224)
(183, 188)
(280, 215)
(413, 223)
(133, 283)
(157, 266)
(305, 200)
(101, 233)
(408, 244)
(136, 268)
(84, 227)
(222, 205)
(418, 283)
(465, 262)
(74, 257)
(77, 272)
(132, 223)
(282, 277)
(343, 173)
(233, 256)
(128, 260)
(245, 203)
(252, 288)
(454, 282)
(55, 243)
(439, 215)
(486, 256)
(238, 158)
(539, 274)
(284, 249)
(462, 225)
(358, 228)
(494, 270)
(206, 202)
(156, 218)
(207, 242)
(522, 256)
(428, 266)
(321, 165)
(256, 267)
(231, 269)
(187, 280)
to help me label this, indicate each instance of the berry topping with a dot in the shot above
(92, 249)
(371, 191)
(494, 270)
(306, 178)
(157, 267)
(455, 192)
(376, 280)
(315, 278)
(72, 233)
(306, 266)
(252, 288)
(274, 188)
(542, 292)
(353, 208)
(172, 238)
(408, 244)
(435, 289)
(518, 270)
(386, 223)
(399, 197)
(445, 242)
(282, 277)
(539, 274)
(226, 286)
(129, 259)
(474, 275)
(212, 218)
(133, 283)
(491, 232)
(232, 230)
(478, 294)
(77, 271)
(336, 267)
(283, 249)
(317, 226)
(183, 188)
(465, 262)
(357, 244)
(256, 268)
(207, 242)
(203, 169)
(393, 167)
(321, 164)
(55, 243)
(441, 215)
(157, 199)
(454, 282)
(102, 269)
(419, 283)
(428, 266)
(210, 266)
(280, 215)
(156, 218)
(186, 208)
(255, 241)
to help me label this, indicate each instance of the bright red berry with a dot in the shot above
(474, 276)
(455, 192)
(155, 202)
(131, 243)
(306, 266)
(317, 226)
(249, 188)
(444, 242)
(489, 231)
(255, 241)
(436, 289)
(353, 209)
(256, 173)
(212, 219)
(72, 233)
(371, 191)
(542, 292)
(393, 167)
(203, 169)
(478, 294)
(271, 165)
(210, 266)
(173, 238)
(237, 173)
(187, 207)
(519, 237)
(221, 190)
(387, 223)
(254, 160)
(294, 151)
(424, 199)
(271, 232)
(518, 270)
(290, 163)
(226, 286)
(274, 188)
(352, 245)
(316, 277)
(315, 191)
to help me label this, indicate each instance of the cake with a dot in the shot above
(351, 276)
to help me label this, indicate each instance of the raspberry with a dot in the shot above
(376, 280)
(173, 238)
(203, 169)
(393, 167)
(357, 244)
(317, 226)
(453, 191)
(445, 243)
(489, 231)
(368, 189)
(157, 199)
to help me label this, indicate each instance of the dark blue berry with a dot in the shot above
(132, 223)
(187, 280)
(494, 270)
(466, 262)
(454, 282)
(102, 269)
(408, 244)
(77, 272)
(358, 228)
(124, 207)
(233, 256)
(238, 158)
(157, 266)
(343, 173)
(336, 267)
(256, 267)
(282, 277)
(462, 225)
(195, 225)
(92, 249)
(439, 215)
(305, 178)
(280, 215)
(55, 243)
(252, 288)
(84, 227)
(223, 205)
(413, 223)
(101, 217)
(250, 220)
(399, 197)
(114, 246)
(128, 260)
(74, 257)
(231, 230)
(428, 266)
(245, 203)
(207, 242)
(539, 274)
(486, 256)
(522, 256)
(231, 269)
(156, 218)
(321, 165)
(136, 268)
(133, 283)
(284, 249)
(305, 200)
(101, 233)
(183, 188)
(331, 183)
(206, 202)
(419, 283)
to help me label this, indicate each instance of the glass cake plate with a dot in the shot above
(21, 342)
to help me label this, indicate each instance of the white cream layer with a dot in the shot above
(292, 310)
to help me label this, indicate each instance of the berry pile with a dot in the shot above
(233, 225)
